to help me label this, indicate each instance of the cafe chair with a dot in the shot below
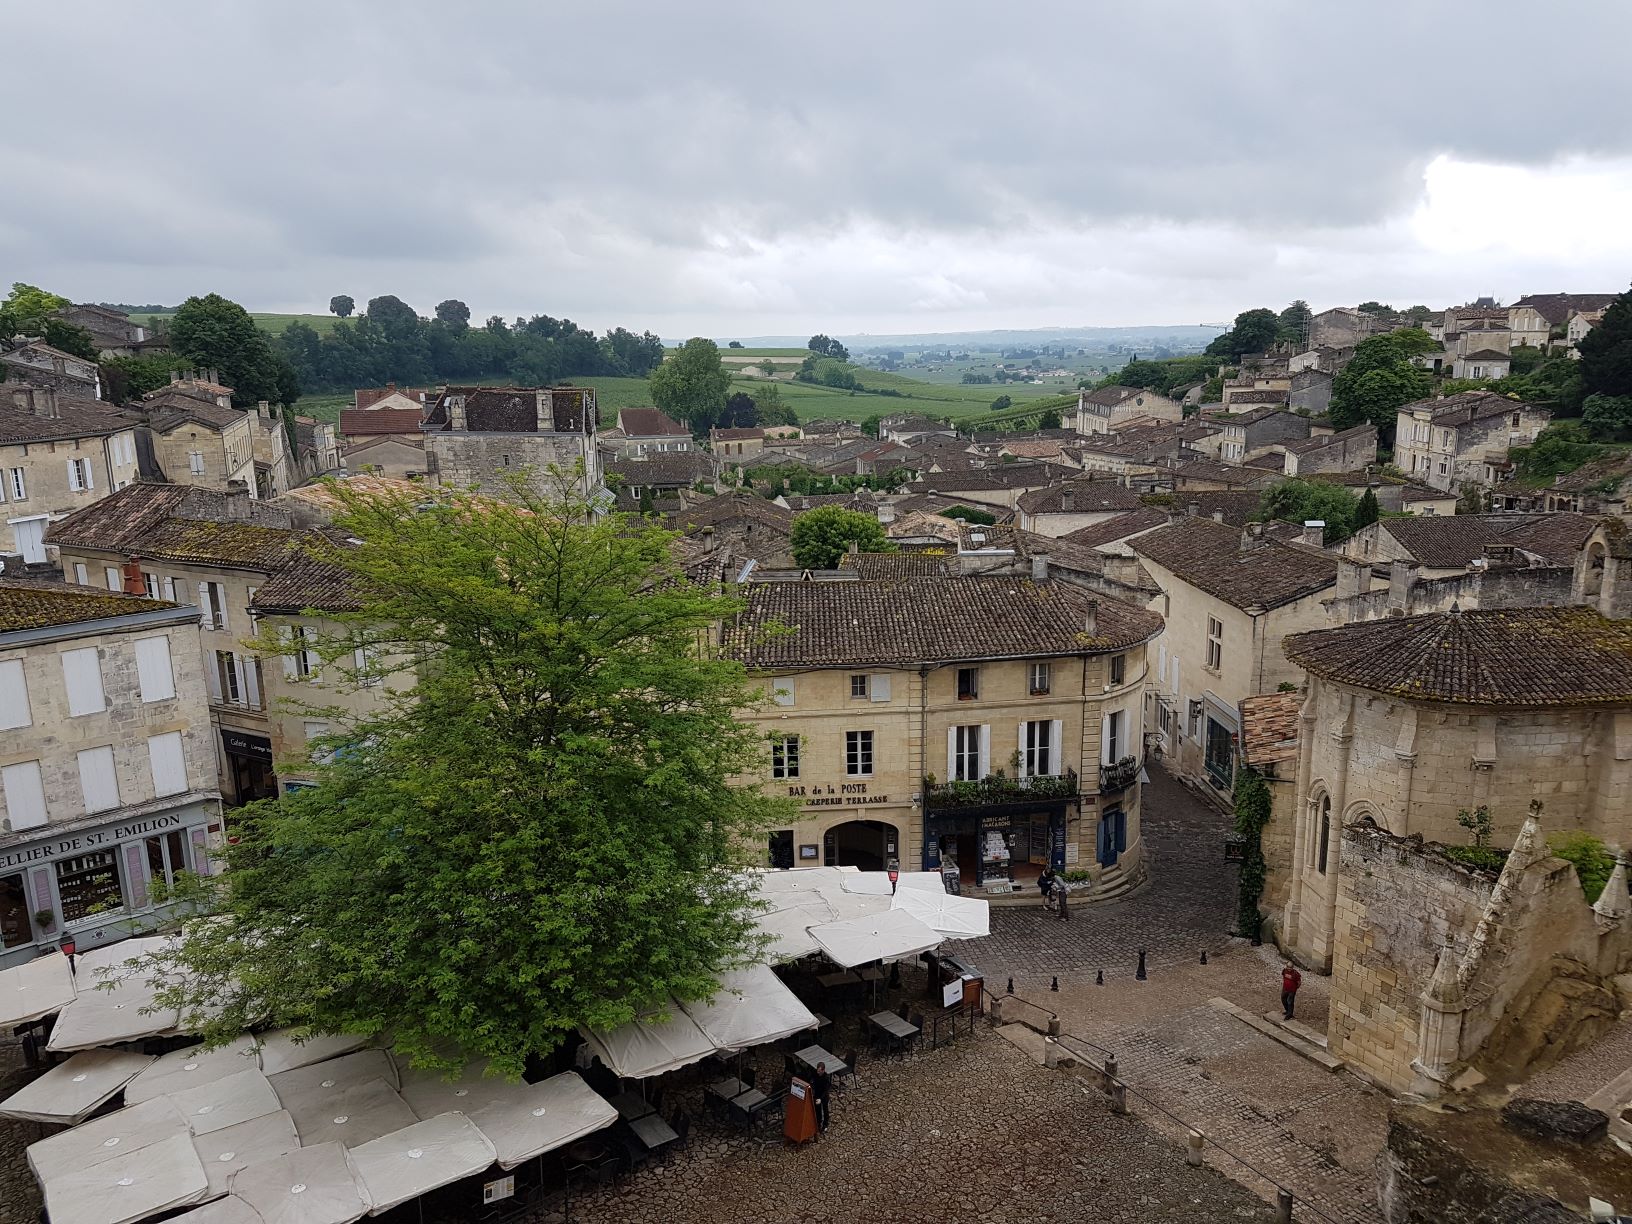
(852, 1060)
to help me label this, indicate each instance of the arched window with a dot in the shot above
(1325, 832)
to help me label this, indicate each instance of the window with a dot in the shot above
(1039, 679)
(1040, 748)
(82, 575)
(195, 462)
(154, 672)
(1443, 467)
(89, 885)
(969, 750)
(97, 781)
(227, 677)
(363, 660)
(1517, 417)
(166, 857)
(25, 795)
(968, 683)
(15, 928)
(14, 709)
(782, 691)
(315, 730)
(858, 754)
(212, 605)
(82, 672)
(17, 487)
(1114, 742)
(169, 767)
(1215, 643)
(785, 756)
(1119, 667)
(150, 583)
(858, 688)
(1325, 833)
(79, 475)
(114, 577)
(302, 664)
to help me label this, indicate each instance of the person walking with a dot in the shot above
(1062, 900)
(821, 1084)
(1291, 979)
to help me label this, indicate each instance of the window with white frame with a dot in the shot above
(1039, 679)
(1119, 667)
(1040, 748)
(1215, 643)
(229, 681)
(315, 730)
(80, 476)
(966, 753)
(968, 683)
(82, 575)
(363, 659)
(1115, 739)
(858, 688)
(167, 857)
(858, 754)
(114, 577)
(782, 690)
(195, 462)
(17, 486)
(785, 756)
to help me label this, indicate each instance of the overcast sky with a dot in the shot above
(778, 168)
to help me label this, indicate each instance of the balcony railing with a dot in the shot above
(999, 789)
(1120, 776)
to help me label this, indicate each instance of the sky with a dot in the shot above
(758, 169)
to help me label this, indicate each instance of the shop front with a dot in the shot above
(1000, 847)
(248, 759)
(96, 882)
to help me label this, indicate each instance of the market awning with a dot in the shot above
(72, 1090)
(311, 1185)
(35, 989)
(410, 1162)
(751, 1007)
(429, 1093)
(183, 1069)
(891, 935)
(104, 1138)
(651, 1044)
(950, 917)
(124, 1189)
(538, 1118)
(99, 1017)
(347, 1070)
(231, 1148)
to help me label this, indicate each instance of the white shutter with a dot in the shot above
(205, 620)
(73, 476)
(90, 474)
(880, 687)
(170, 589)
(1055, 731)
(951, 754)
(221, 604)
(81, 575)
(153, 669)
(251, 669)
(14, 710)
(169, 765)
(212, 673)
(25, 795)
(82, 672)
(985, 749)
(782, 690)
(1020, 772)
(116, 579)
(290, 671)
(98, 781)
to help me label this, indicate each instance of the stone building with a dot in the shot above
(1602, 577)
(1229, 597)
(1311, 390)
(1409, 721)
(196, 442)
(107, 773)
(1110, 409)
(475, 436)
(1352, 450)
(1463, 439)
(1342, 327)
(991, 722)
(1246, 435)
(57, 455)
(383, 433)
(1442, 545)
(654, 479)
(993, 487)
(650, 431)
(36, 364)
(112, 331)
(738, 445)
(1073, 504)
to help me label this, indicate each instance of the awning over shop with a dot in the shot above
(123, 1011)
(35, 989)
(407, 1163)
(752, 1007)
(892, 935)
(651, 1045)
(231, 1148)
(74, 1089)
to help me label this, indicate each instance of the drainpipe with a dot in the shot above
(923, 762)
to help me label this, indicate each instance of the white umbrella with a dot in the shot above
(311, 1185)
(892, 935)
(417, 1159)
(651, 1044)
(538, 1118)
(99, 1017)
(231, 1148)
(104, 1138)
(226, 1101)
(751, 1007)
(130, 1187)
(347, 1070)
(117, 955)
(180, 1070)
(952, 917)
(348, 1114)
(229, 1210)
(72, 1090)
(928, 881)
(429, 1093)
(35, 989)
(280, 1051)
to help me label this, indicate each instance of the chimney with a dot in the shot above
(545, 418)
(707, 536)
(390, 388)
(215, 376)
(263, 408)
(1193, 509)
(886, 513)
(1090, 622)
(1218, 516)
(1067, 500)
(1253, 536)
(237, 499)
(135, 584)
(1314, 532)
(1039, 567)
(1353, 577)
(1402, 576)
(456, 412)
(853, 548)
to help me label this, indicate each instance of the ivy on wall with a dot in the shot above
(1251, 815)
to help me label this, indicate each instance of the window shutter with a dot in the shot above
(14, 709)
(290, 671)
(880, 687)
(204, 618)
(97, 780)
(136, 874)
(951, 754)
(169, 767)
(170, 589)
(82, 673)
(1056, 730)
(116, 580)
(212, 672)
(153, 669)
(73, 477)
(221, 601)
(251, 669)
(1021, 772)
(201, 850)
(81, 575)
(985, 749)
(25, 795)
(90, 474)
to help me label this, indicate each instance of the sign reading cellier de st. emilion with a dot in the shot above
(843, 794)
(61, 847)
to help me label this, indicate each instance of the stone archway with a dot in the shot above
(867, 844)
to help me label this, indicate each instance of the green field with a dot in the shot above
(274, 323)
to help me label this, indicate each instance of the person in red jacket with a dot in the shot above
(1291, 979)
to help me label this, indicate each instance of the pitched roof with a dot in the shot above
(309, 580)
(1214, 471)
(363, 397)
(1487, 355)
(1453, 541)
(1209, 556)
(1317, 442)
(1085, 496)
(871, 567)
(367, 422)
(1259, 397)
(40, 346)
(1000, 476)
(321, 495)
(735, 507)
(1237, 506)
(902, 622)
(650, 423)
(1466, 406)
(1113, 397)
(670, 468)
(1606, 475)
(514, 409)
(33, 604)
(737, 433)
(187, 525)
(1556, 307)
(75, 419)
(172, 413)
(1518, 657)
(1110, 530)
(1270, 727)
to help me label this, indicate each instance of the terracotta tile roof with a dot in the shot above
(1119, 528)
(1110, 397)
(514, 409)
(921, 524)
(1215, 472)
(999, 476)
(915, 424)
(173, 412)
(1449, 411)
(650, 423)
(744, 433)
(40, 346)
(1270, 728)
(363, 397)
(30, 604)
(75, 419)
(1259, 397)
(1317, 442)
(1519, 657)
(321, 495)
(310, 580)
(1086, 497)
(735, 507)
(1238, 506)
(1453, 541)
(666, 469)
(1556, 307)
(190, 526)
(1487, 354)
(1209, 556)
(368, 422)
(872, 567)
(789, 625)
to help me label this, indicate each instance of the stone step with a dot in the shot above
(1023, 1038)
(1277, 1032)
(1298, 1028)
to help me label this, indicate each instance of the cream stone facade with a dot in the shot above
(107, 770)
(192, 451)
(56, 456)
(1462, 439)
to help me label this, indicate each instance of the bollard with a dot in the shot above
(1011, 985)
(1051, 1052)
(1108, 1075)
(1099, 978)
(1283, 1206)
(1141, 974)
(1055, 985)
(1204, 956)
(1119, 1097)
(997, 1012)
(1053, 1026)
(1194, 1143)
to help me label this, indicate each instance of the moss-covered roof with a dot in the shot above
(31, 604)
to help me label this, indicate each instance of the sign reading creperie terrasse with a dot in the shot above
(63, 846)
(843, 794)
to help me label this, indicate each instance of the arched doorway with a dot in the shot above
(867, 844)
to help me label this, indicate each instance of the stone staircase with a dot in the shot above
(1114, 884)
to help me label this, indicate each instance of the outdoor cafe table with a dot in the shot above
(652, 1131)
(747, 1104)
(833, 981)
(813, 1054)
(728, 1088)
(630, 1105)
(893, 1025)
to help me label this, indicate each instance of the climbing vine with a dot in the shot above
(1251, 815)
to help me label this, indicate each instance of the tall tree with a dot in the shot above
(1606, 351)
(691, 385)
(1367, 512)
(540, 835)
(453, 312)
(826, 346)
(1254, 331)
(1294, 322)
(212, 331)
(740, 412)
(1380, 379)
(821, 536)
(342, 305)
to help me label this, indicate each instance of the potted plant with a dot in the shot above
(45, 919)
